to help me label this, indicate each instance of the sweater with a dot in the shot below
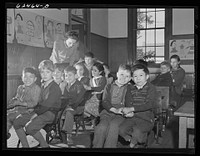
(143, 100)
(114, 96)
(50, 99)
(74, 94)
(178, 78)
(163, 80)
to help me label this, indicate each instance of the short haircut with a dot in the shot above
(141, 61)
(165, 63)
(89, 54)
(70, 69)
(175, 57)
(140, 66)
(46, 64)
(99, 67)
(125, 67)
(31, 70)
(59, 66)
(72, 34)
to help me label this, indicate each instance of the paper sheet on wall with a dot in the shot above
(10, 25)
(183, 48)
(29, 28)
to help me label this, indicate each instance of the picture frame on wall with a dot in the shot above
(184, 48)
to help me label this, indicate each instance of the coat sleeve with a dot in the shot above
(102, 84)
(106, 102)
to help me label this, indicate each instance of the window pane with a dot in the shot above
(140, 52)
(159, 51)
(150, 20)
(160, 37)
(141, 38)
(150, 9)
(77, 12)
(141, 19)
(150, 37)
(142, 10)
(160, 19)
(159, 9)
(150, 51)
(159, 59)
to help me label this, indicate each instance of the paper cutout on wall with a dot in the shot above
(29, 28)
(183, 48)
(59, 30)
(10, 25)
(49, 30)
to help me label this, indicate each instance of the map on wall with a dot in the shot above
(184, 48)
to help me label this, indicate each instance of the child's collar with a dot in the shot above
(46, 83)
(97, 77)
(140, 87)
(80, 78)
(118, 84)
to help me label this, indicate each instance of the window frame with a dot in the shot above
(132, 35)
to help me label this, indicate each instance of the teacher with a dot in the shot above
(68, 50)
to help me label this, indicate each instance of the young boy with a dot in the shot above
(106, 132)
(73, 93)
(140, 100)
(26, 98)
(164, 78)
(59, 76)
(45, 112)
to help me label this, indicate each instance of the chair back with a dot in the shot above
(162, 98)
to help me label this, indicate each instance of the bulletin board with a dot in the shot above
(184, 48)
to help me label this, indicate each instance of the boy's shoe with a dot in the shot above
(8, 135)
(69, 139)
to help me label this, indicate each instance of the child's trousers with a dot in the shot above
(36, 124)
(135, 129)
(106, 132)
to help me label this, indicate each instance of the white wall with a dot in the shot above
(99, 21)
(117, 23)
(183, 21)
(55, 14)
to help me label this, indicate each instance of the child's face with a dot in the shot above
(164, 69)
(88, 60)
(46, 74)
(28, 78)
(70, 42)
(140, 77)
(123, 76)
(95, 71)
(174, 63)
(70, 77)
(80, 70)
(57, 74)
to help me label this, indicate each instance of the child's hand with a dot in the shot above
(119, 111)
(131, 114)
(87, 87)
(126, 110)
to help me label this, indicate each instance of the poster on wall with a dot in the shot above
(59, 30)
(49, 30)
(10, 25)
(29, 28)
(184, 48)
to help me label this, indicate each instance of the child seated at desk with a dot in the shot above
(26, 98)
(45, 111)
(73, 93)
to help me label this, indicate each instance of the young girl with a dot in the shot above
(97, 84)
(80, 67)
(178, 75)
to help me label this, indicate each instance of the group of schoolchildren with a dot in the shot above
(127, 107)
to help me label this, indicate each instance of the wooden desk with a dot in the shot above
(186, 120)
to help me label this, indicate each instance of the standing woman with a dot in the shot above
(178, 75)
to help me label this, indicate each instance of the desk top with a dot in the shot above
(187, 109)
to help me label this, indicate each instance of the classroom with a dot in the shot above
(113, 38)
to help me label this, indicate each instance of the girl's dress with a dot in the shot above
(92, 105)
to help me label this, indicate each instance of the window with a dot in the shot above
(149, 34)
